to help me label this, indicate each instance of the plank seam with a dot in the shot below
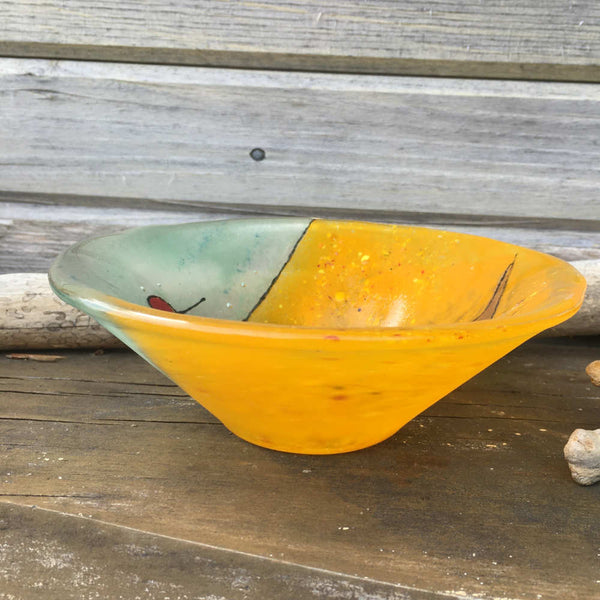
(232, 552)
(574, 72)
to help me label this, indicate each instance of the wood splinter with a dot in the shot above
(36, 357)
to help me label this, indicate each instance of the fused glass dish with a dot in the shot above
(315, 336)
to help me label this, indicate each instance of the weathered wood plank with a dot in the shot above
(32, 234)
(473, 497)
(55, 556)
(548, 39)
(115, 382)
(426, 146)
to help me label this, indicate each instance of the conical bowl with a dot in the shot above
(316, 336)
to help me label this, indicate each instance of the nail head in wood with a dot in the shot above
(258, 154)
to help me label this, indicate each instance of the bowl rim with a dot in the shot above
(81, 295)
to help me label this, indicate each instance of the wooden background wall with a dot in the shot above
(482, 117)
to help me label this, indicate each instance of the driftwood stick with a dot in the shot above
(32, 317)
(587, 319)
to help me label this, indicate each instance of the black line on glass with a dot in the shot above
(287, 260)
(192, 306)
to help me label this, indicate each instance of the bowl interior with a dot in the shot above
(320, 273)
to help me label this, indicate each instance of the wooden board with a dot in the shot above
(471, 499)
(34, 230)
(549, 39)
(485, 149)
(49, 555)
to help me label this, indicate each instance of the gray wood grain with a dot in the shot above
(49, 555)
(184, 135)
(471, 499)
(33, 234)
(540, 39)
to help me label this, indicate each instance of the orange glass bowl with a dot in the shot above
(315, 336)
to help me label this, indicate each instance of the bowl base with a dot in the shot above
(324, 448)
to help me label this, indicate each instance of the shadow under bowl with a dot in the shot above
(315, 336)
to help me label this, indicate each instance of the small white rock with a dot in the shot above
(583, 455)
(593, 372)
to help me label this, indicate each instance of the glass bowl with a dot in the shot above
(315, 336)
